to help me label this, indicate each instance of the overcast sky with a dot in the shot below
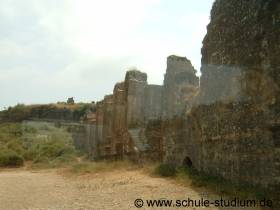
(54, 49)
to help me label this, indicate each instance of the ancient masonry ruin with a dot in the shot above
(228, 123)
(122, 119)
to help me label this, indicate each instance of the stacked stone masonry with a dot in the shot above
(233, 125)
(227, 124)
(124, 119)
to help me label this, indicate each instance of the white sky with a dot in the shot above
(54, 49)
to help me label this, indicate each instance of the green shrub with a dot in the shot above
(9, 132)
(51, 151)
(9, 158)
(29, 155)
(166, 170)
(16, 146)
(38, 142)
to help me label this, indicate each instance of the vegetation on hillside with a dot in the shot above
(41, 143)
(23, 112)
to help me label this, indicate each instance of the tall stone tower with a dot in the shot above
(239, 120)
(180, 85)
(135, 83)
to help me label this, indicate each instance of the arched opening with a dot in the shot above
(187, 162)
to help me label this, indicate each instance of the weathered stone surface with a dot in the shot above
(181, 141)
(99, 128)
(234, 126)
(152, 102)
(125, 117)
(154, 140)
(180, 84)
(106, 141)
(227, 125)
(135, 83)
(237, 127)
(119, 103)
(119, 118)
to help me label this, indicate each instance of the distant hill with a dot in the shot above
(59, 111)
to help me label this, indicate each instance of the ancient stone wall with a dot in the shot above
(107, 127)
(99, 128)
(119, 118)
(135, 83)
(154, 136)
(237, 134)
(181, 141)
(234, 126)
(229, 126)
(82, 135)
(126, 117)
(119, 104)
(180, 84)
(152, 103)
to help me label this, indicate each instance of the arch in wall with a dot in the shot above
(187, 162)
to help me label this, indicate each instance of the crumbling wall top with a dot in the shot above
(177, 64)
(136, 75)
(108, 98)
(120, 86)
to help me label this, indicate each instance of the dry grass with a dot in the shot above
(101, 166)
(67, 106)
(192, 178)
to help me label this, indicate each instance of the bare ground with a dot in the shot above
(53, 190)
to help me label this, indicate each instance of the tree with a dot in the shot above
(70, 100)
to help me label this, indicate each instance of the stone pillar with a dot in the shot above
(119, 118)
(240, 92)
(135, 83)
(107, 132)
(180, 84)
(99, 128)
(153, 102)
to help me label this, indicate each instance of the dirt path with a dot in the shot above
(49, 190)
